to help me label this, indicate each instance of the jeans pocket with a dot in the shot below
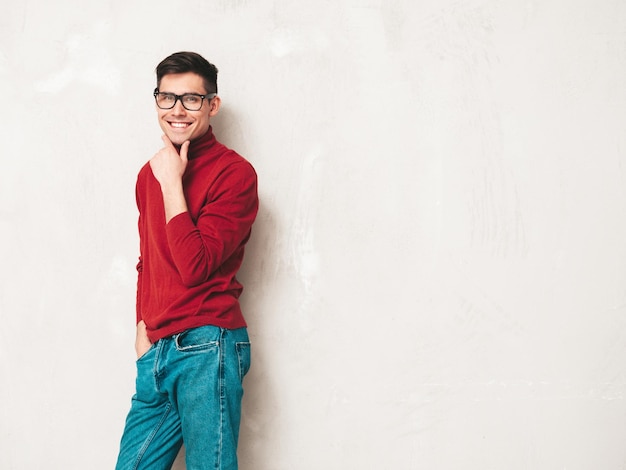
(145, 355)
(243, 355)
(197, 339)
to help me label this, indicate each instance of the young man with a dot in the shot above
(197, 201)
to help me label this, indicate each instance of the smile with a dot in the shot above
(180, 125)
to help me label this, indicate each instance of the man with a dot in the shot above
(197, 201)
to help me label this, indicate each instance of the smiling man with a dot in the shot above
(197, 201)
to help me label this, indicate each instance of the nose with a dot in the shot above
(178, 106)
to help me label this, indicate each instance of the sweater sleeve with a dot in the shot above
(140, 262)
(200, 247)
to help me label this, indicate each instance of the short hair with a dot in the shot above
(184, 62)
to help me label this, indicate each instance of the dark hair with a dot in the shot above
(183, 62)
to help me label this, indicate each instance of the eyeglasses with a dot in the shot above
(190, 101)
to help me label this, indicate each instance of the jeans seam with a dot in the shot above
(149, 439)
(222, 396)
(156, 372)
(239, 349)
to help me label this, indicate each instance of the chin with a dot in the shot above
(179, 142)
(178, 139)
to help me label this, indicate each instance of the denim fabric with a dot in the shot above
(189, 389)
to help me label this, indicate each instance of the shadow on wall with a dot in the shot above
(257, 383)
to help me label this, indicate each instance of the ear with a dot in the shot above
(216, 102)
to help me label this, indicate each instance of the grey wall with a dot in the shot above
(437, 276)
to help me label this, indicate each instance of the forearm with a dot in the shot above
(174, 201)
(168, 167)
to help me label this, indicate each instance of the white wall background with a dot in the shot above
(437, 278)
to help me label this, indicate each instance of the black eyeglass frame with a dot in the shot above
(208, 96)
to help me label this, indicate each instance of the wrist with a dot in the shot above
(172, 188)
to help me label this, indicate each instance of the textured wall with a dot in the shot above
(437, 277)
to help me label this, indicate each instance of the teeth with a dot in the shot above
(179, 124)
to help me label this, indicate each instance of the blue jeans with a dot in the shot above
(189, 389)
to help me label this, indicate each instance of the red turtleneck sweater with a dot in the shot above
(187, 267)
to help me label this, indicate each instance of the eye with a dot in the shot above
(191, 99)
(166, 98)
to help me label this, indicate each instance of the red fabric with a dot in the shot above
(187, 268)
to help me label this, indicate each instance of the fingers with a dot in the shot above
(166, 140)
(183, 148)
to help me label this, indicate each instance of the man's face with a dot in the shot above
(178, 123)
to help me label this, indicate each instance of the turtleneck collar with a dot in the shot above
(201, 145)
